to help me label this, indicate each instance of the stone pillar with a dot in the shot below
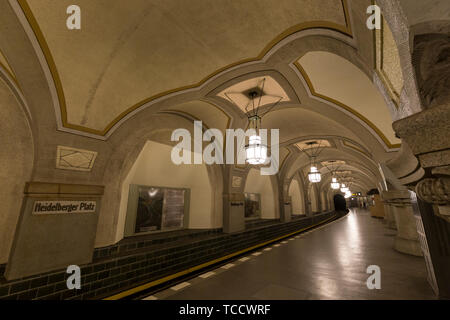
(407, 239)
(434, 208)
(57, 228)
(427, 135)
(378, 209)
(436, 192)
(389, 218)
(233, 212)
(287, 212)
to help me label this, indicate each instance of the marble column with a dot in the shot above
(407, 238)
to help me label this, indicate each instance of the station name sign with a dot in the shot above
(61, 207)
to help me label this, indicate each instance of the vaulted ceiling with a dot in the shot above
(180, 57)
(138, 50)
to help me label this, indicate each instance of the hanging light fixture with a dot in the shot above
(348, 193)
(344, 189)
(255, 150)
(334, 184)
(314, 175)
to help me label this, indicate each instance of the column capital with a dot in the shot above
(436, 192)
(396, 197)
(426, 134)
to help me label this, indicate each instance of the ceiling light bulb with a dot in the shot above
(314, 175)
(334, 184)
(255, 151)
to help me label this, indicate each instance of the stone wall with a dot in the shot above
(132, 262)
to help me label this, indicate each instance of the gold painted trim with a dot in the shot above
(346, 12)
(344, 106)
(346, 30)
(206, 264)
(378, 66)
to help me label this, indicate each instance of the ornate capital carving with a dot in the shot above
(396, 197)
(431, 59)
(434, 191)
(426, 131)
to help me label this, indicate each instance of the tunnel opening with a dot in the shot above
(339, 203)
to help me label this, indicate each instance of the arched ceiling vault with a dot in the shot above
(355, 173)
(334, 79)
(355, 178)
(347, 171)
(300, 161)
(104, 74)
(124, 70)
(109, 70)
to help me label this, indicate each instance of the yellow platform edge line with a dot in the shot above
(137, 289)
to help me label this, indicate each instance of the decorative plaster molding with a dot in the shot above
(68, 158)
(396, 197)
(434, 191)
(426, 131)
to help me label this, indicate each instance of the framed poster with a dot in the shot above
(173, 209)
(156, 209)
(252, 206)
(149, 210)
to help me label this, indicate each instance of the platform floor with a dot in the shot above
(326, 263)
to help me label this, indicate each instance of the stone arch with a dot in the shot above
(339, 202)
(267, 187)
(16, 164)
(151, 167)
(323, 201)
(296, 193)
(314, 199)
(111, 220)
